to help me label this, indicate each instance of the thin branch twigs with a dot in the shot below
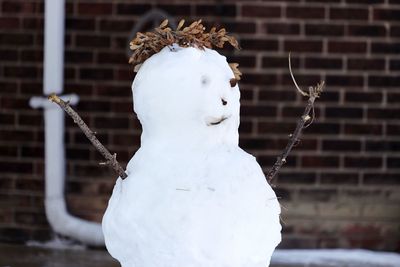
(313, 94)
(111, 159)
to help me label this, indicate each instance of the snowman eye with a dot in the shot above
(204, 80)
(233, 82)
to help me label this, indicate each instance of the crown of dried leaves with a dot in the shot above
(147, 44)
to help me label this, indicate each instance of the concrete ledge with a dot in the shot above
(23, 256)
(334, 258)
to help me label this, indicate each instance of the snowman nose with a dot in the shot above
(224, 102)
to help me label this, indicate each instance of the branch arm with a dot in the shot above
(110, 159)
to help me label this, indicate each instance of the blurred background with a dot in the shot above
(340, 187)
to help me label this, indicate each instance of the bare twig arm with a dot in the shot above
(111, 159)
(313, 94)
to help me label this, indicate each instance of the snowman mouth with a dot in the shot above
(217, 121)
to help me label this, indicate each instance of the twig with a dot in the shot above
(313, 94)
(111, 159)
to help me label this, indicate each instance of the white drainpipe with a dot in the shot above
(60, 220)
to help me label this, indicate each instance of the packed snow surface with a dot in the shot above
(192, 197)
(335, 258)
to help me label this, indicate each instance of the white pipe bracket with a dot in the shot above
(43, 102)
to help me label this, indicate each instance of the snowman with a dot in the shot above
(193, 197)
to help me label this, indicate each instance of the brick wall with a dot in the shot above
(341, 185)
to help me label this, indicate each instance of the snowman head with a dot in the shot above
(185, 95)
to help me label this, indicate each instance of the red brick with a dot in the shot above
(391, 14)
(15, 167)
(332, 97)
(243, 61)
(80, 24)
(345, 80)
(240, 27)
(113, 91)
(385, 48)
(387, 113)
(185, 10)
(339, 178)
(266, 160)
(272, 62)
(9, 23)
(302, 46)
(95, 8)
(14, 234)
(297, 178)
(296, 112)
(394, 64)
(32, 151)
(365, 1)
(30, 218)
(280, 28)
(111, 123)
(344, 113)
(8, 151)
(324, 29)
(382, 145)
(362, 162)
(347, 13)
(8, 55)
(112, 57)
(259, 110)
(365, 64)
(276, 127)
(25, 7)
(367, 30)
(393, 129)
(78, 57)
(323, 63)
(393, 162)
(300, 12)
(31, 55)
(133, 9)
(363, 97)
(394, 31)
(381, 179)
(36, 23)
(320, 195)
(347, 47)
(96, 74)
(260, 79)
(16, 39)
(117, 25)
(341, 145)
(392, 81)
(363, 129)
(274, 96)
(261, 11)
(321, 128)
(10, 103)
(221, 10)
(92, 41)
(259, 44)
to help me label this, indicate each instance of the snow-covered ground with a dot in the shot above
(334, 258)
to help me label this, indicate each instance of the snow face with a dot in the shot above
(179, 94)
(192, 196)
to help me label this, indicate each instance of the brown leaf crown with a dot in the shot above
(144, 45)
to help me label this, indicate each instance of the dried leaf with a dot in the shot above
(164, 23)
(236, 71)
(146, 44)
(180, 24)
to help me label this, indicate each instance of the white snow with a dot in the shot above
(192, 198)
(56, 243)
(335, 258)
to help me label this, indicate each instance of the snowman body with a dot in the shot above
(192, 197)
